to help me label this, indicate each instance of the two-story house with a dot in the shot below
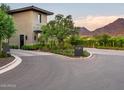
(28, 22)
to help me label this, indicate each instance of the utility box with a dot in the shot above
(78, 51)
(6, 48)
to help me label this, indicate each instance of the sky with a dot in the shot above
(89, 15)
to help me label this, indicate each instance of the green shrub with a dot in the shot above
(85, 53)
(3, 54)
(69, 52)
(75, 40)
(32, 47)
(45, 48)
(66, 52)
(67, 46)
(104, 41)
(14, 47)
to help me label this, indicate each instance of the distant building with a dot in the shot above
(28, 21)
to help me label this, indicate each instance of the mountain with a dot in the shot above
(85, 32)
(115, 28)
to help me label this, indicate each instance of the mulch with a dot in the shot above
(4, 61)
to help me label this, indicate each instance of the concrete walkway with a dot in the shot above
(105, 51)
(28, 53)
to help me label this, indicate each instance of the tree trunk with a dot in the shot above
(8, 41)
(0, 45)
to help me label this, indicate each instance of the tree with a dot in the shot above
(10, 27)
(75, 40)
(103, 39)
(64, 27)
(60, 28)
(6, 27)
(4, 7)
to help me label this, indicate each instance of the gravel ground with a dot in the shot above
(4, 61)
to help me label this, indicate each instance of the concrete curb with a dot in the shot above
(91, 54)
(11, 65)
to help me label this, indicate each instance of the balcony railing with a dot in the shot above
(37, 27)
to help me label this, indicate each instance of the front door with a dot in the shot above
(21, 40)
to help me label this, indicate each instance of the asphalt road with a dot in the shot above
(44, 71)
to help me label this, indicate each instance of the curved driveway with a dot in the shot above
(104, 70)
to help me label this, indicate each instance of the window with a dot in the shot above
(39, 18)
(26, 37)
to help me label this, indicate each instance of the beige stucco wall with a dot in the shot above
(36, 24)
(25, 23)
(43, 18)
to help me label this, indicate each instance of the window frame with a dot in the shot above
(39, 18)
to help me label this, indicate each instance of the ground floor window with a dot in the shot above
(35, 37)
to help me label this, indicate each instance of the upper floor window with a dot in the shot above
(39, 18)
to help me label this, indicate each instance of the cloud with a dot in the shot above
(94, 22)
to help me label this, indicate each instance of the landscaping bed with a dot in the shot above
(5, 58)
(4, 61)
(70, 53)
(66, 52)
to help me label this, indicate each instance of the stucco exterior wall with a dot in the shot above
(23, 22)
(36, 24)
(26, 23)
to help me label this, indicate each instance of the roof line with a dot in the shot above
(30, 8)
